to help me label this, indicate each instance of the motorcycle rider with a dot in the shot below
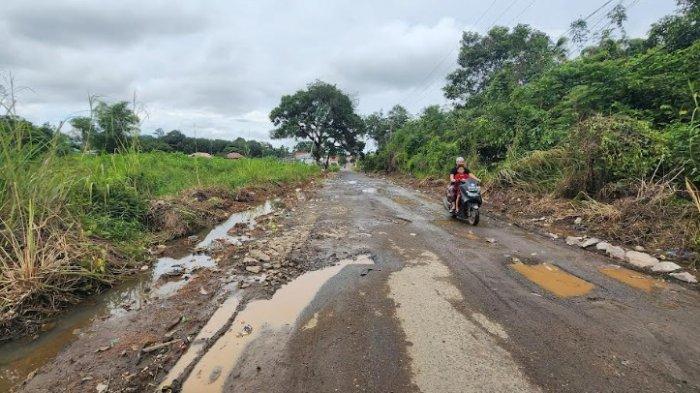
(460, 174)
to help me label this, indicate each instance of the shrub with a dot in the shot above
(606, 149)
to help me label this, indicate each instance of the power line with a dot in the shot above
(521, 12)
(442, 61)
(503, 13)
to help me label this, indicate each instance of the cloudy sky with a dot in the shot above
(217, 68)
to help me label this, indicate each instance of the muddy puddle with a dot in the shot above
(634, 279)
(554, 280)
(168, 274)
(278, 313)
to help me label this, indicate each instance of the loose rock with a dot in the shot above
(685, 276)
(602, 246)
(260, 256)
(640, 259)
(616, 252)
(573, 240)
(589, 242)
(665, 267)
(254, 269)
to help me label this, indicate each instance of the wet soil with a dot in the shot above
(440, 309)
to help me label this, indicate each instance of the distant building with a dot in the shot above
(234, 156)
(304, 156)
(200, 154)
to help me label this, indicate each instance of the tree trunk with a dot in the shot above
(316, 152)
(325, 165)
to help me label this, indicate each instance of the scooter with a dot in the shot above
(469, 202)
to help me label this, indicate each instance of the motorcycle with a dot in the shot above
(469, 201)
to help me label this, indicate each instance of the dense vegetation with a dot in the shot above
(114, 127)
(616, 124)
(618, 111)
(70, 220)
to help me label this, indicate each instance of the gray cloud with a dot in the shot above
(78, 24)
(218, 67)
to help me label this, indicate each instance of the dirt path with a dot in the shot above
(394, 297)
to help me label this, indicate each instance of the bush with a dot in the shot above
(605, 149)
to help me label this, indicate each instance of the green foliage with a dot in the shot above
(324, 115)
(519, 55)
(112, 191)
(380, 127)
(622, 110)
(605, 150)
(109, 128)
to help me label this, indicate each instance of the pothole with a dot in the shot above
(278, 313)
(634, 279)
(554, 280)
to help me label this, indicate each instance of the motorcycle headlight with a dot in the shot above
(473, 188)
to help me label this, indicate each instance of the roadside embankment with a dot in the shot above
(74, 224)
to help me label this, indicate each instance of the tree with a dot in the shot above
(322, 114)
(305, 146)
(380, 127)
(117, 124)
(522, 54)
(678, 31)
(86, 129)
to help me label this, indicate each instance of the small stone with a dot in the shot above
(253, 269)
(573, 240)
(260, 256)
(602, 246)
(266, 265)
(639, 248)
(101, 387)
(640, 259)
(665, 267)
(250, 261)
(589, 242)
(616, 252)
(491, 240)
(685, 276)
(578, 221)
(144, 268)
(553, 235)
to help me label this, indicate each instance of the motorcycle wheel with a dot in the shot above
(473, 217)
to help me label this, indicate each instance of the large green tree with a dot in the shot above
(110, 128)
(380, 127)
(518, 55)
(323, 115)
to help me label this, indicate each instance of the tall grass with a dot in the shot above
(42, 251)
(64, 217)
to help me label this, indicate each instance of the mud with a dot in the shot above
(258, 318)
(439, 310)
(633, 278)
(554, 280)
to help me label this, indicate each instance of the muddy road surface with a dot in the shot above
(387, 294)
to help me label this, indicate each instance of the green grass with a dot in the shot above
(158, 174)
(65, 217)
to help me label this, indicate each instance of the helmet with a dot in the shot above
(460, 160)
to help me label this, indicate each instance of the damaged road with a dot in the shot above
(367, 286)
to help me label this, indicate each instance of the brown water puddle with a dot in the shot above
(280, 312)
(554, 280)
(632, 278)
(20, 358)
(217, 322)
